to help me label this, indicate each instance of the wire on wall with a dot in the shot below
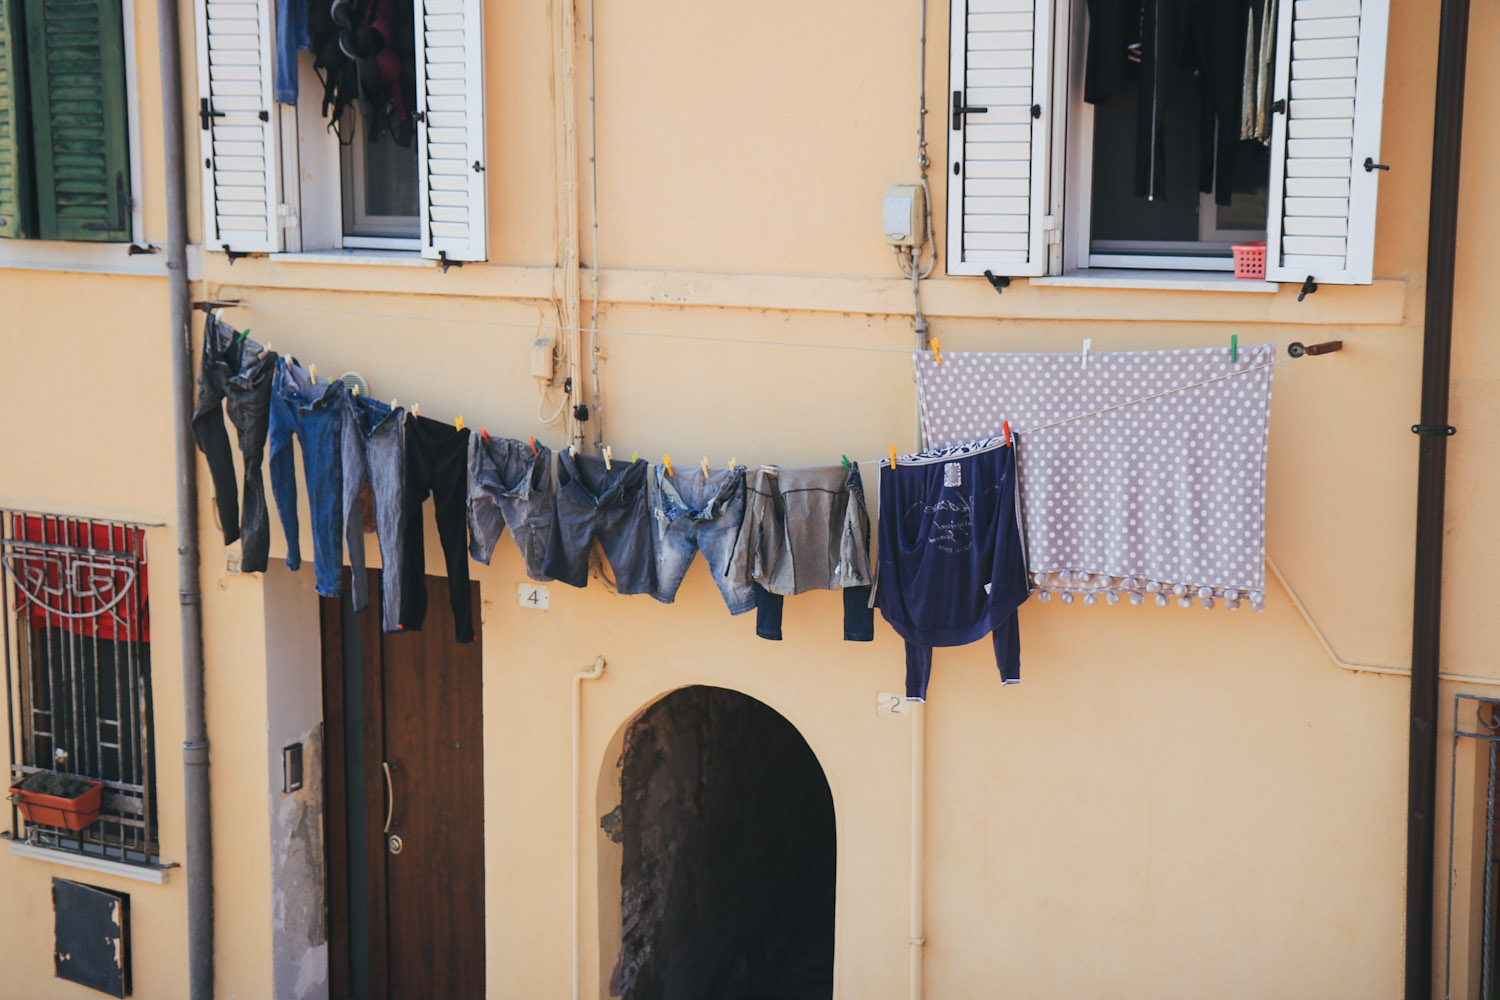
(909, 259)
(594, 352)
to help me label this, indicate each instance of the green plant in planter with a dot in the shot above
(51, 783)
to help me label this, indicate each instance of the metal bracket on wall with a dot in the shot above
(1434, 430)
(1000, 283)
(234, 255)
(445, 263)
(1308, 287)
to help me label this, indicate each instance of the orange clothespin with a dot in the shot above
(458, 422)
(893, 456)
(484, 433)
(534, 449)
(1007, 431)
(937, 351)
(666, 460)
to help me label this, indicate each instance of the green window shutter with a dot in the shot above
(76, 57)
(15, 168)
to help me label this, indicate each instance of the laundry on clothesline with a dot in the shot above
(1158, 494)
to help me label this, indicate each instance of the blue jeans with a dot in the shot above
(510, 486)
(692, 512)
(314, 413)
(610, 505)
(374, 451)
(859, 617)
(291, 35)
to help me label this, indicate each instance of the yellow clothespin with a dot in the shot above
(667, 461)
(937, 351)
(635, 456)
(893, 456)
(731, 463)
(609, 454)
(458, 421)
(704, 466)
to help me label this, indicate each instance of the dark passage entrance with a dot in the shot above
(727, 886)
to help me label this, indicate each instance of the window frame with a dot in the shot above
(108, 841)
(1076, 132)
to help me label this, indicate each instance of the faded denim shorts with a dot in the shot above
(689, 512)
(511, 486)
(611, 505)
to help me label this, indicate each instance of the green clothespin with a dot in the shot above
(1234, 347)
(846, 462)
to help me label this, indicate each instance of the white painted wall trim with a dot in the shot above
(92, 258)
(140, 873)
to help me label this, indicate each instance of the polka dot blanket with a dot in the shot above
(1131, 486)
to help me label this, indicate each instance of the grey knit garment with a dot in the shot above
(1160, 497)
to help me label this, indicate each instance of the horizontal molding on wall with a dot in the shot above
(1380, 304)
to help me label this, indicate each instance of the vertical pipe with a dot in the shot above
(565, 32)
(587, 674)
(1437, 343)
(199, 845)
(916, 933)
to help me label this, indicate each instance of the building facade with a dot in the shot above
(1171, 803)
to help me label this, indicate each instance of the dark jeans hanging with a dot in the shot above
(237, 372)
(437, 462)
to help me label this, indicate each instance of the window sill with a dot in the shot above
(1188, 281)
(155, 874)
(92, 258)
(389, 258)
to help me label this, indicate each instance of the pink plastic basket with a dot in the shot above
(1249, 260)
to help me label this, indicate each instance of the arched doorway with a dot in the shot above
(729, 843)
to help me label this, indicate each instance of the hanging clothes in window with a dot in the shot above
(1154, 491)
(1201, 38)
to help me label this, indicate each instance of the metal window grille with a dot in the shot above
(76, 631)
(1478, 718)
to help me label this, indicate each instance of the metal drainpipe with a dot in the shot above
(199, 847)
(1437, 342)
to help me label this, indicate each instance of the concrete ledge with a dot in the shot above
(156, 874)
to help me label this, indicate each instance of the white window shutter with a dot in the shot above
(998, 150)
(1330, 72)
(450, 133)
(241, 176)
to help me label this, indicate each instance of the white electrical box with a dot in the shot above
(905, 216)
(541, 358)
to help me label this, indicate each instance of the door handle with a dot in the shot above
(390, 796)
(960, 109)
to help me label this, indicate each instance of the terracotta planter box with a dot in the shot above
(50, 810)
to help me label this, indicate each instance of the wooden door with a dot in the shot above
(405, 804)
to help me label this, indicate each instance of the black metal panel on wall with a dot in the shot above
(92, 935)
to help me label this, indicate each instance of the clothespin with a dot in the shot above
(1006, 425)
(573, 449)
(537, 451)
(313, 371)
(635, 456)
(1087, 343)
(393, 402)
(354, 390)
(608, 458)
(458, 422)
(731, 463)
(937, 351)
(1234, 347)
(704, 466)
(846, 462)
(666, 460)
(893, 456)
(484, 433)
(416, 409)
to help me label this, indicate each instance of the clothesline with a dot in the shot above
(747, 340)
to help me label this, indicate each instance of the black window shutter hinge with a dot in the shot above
(205, 113)
(1308, 287)
(999, 282)
(234, 255)
(1036, 111)
(263, 115)
(1278, 106)
(445, 263)
(420, 116)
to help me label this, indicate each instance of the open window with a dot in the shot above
(320, 150)
(1169, 132)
